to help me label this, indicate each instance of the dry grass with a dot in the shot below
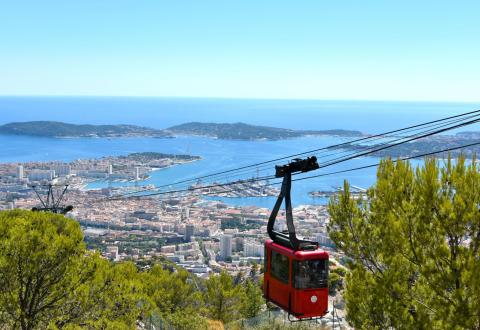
(215, 325)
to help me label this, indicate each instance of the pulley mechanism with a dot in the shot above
(298, 165)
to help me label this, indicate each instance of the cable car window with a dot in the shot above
(310, 274)
(279, 266)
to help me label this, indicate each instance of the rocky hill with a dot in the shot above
(59, 129)
(241, 131)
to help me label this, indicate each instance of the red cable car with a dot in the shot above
(296, 271)
(297, 281)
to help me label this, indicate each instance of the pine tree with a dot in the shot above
(252, 300)
(49, 279)
(222, 298)
(414, 245)
(175, 296)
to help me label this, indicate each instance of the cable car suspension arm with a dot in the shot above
(289, 238)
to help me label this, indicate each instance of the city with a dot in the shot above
(203, 236)
(239, 165)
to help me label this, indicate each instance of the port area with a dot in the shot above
(240, 188)
(355, 191)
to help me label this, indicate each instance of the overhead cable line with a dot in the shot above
(436, 123)
(391, 145)
(394, 160)
(198, 188)
(320, 149)
(378, 164)
(328, 153)
(334, 162)
(318, 175)
(349, 157)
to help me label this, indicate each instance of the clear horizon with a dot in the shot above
(371, 51)
(226, 98)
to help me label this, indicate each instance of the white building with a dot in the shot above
(20, 173)
(62, 169)
(38, 175)
(253, 249)
(226, 246)
(168, 249)
(186, 213)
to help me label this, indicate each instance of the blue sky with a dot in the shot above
(374, 50)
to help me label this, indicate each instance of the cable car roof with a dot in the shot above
(297, 255)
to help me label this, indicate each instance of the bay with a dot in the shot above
(217, 155)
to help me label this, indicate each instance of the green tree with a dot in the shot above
(48, 279)
(187, 319)
(222, 298)
(117, 294)
(252, 299)
(335, 280)
(334, 283)
(414, 244)
(340, 271)
(175, 295)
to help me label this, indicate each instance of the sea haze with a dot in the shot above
(217, 155)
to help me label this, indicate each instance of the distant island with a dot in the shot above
(59, 129)
(242, 131)
(236, 131)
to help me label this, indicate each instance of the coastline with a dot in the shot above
(146, 178)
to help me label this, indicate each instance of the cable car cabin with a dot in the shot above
(296, 270)
(296, 281)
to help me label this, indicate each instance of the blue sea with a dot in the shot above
(217, 155)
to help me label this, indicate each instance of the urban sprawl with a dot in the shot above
(202, 235)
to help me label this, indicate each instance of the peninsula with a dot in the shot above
(235, 131)
(59, 129)
(80, 172)
(242, 131)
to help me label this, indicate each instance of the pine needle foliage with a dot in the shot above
(414, 244)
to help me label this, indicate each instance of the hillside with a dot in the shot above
(242, 131)
(236, 131)
(59, 129)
